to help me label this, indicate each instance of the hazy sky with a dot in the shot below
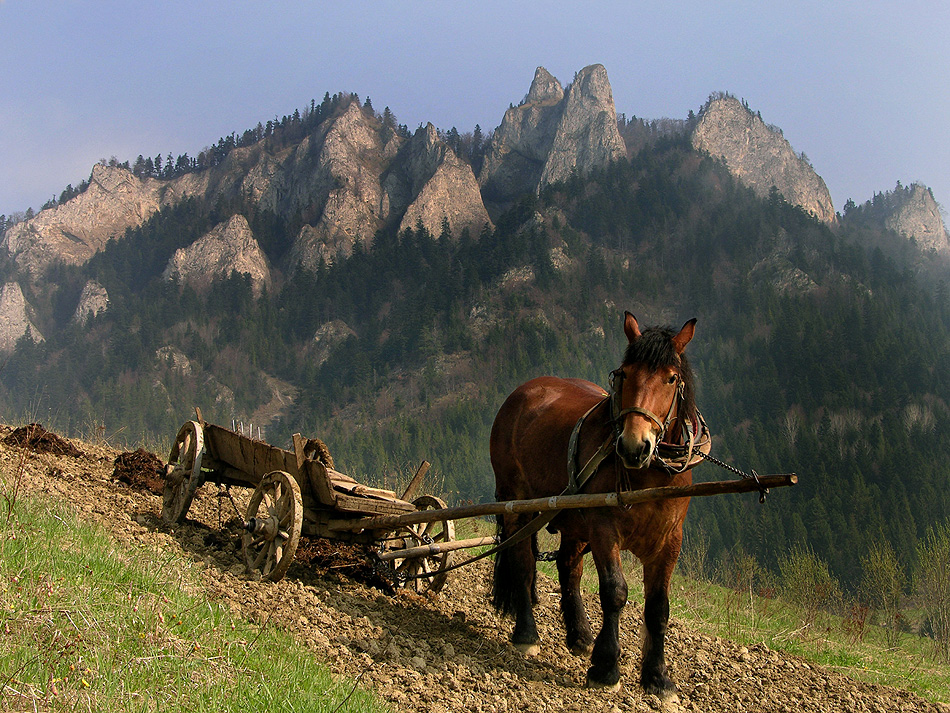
(862, 87)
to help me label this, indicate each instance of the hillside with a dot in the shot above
(448, 652)
(312, 276)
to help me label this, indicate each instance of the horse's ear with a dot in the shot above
(631, 328)
(686, 333)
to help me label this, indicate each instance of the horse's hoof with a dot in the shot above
(528, 650)
(581, 649)
(600, 685)
(667, 698)
(666, 693)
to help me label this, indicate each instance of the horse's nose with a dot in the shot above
(637, 451)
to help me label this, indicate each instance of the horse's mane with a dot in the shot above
(655, 348)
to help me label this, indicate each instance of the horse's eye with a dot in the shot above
(672, 379)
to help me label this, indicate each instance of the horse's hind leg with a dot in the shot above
(605, 669)
(570, 567)
(513, 585)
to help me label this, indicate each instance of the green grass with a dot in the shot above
(843, 643)
(86, 624)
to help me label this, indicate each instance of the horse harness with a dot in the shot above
(673, 458)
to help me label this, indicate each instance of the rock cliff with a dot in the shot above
(915, 215)
(587, 135)
(760, 156)
(75, 231)
(442, 186)
(15, 317)
(228, 247)
(371, 185)
(551, 133)
(93, 300)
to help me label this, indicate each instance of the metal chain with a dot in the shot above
(731, 468)
(225, 491)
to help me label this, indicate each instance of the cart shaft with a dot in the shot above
(566, 502)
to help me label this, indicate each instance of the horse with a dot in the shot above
(621, 439)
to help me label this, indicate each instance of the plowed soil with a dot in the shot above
(436, 653)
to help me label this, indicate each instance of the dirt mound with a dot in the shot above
(341, 559)
(38, 439)
(141, 470)
(448, 652)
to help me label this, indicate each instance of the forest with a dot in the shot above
(816, 352)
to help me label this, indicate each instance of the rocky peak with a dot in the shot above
(74, 231)
(226, 248)
(442, 186)
(544, 88)
(552, 133)
(759, 156)
(15, 317)
(93, 300)
(587, 135)
(915, 214)
(424, 153)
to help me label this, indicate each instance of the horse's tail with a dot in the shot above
(510, 572)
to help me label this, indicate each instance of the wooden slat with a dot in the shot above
(350, 503)
(413, 487)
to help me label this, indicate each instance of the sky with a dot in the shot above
(862, 87)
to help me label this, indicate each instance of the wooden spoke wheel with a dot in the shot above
(183, 472)
(426, 572)
(274, 521)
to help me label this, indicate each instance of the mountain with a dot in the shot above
(351, 177)
(912, 213)
(336, 274)
(73, 232)
(759, 156)
(552, 133)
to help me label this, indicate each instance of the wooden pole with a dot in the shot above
(436, 548)
(566, 502)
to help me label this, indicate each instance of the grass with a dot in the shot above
(86, 624)
(848, 644)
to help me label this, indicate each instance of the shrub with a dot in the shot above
(932, 586)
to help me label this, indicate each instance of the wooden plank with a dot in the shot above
(569, 502)
(350, 503)
(413, 488)
(253, 457)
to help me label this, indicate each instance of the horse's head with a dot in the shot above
(650, 389)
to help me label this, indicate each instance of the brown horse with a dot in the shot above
(652, 406)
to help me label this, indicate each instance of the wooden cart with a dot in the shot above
(299, 493)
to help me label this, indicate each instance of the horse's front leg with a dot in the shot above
(570, 567)
(654, 676)
(605, 659)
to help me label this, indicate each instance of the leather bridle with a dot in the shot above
(618, 413)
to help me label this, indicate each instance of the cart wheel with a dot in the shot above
(274, 521)
(183, 472)
(427, 533)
